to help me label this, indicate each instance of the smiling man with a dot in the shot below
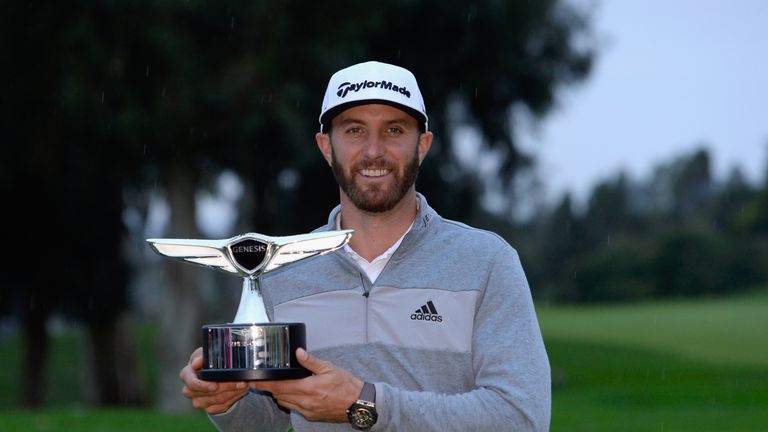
(370, 137)
(375, 151)
(419, 323)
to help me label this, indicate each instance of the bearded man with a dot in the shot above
(419, 323)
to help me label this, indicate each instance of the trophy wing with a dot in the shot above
(207, 253)
(296, 248)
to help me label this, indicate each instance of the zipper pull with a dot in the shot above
(362, 281)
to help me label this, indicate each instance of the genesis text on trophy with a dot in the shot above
(251, 347)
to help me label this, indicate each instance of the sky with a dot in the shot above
(670, 76)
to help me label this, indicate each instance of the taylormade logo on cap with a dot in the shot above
(376, 83)
(346, 87)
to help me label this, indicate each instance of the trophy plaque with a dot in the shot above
(252, 347)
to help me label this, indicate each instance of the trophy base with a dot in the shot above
(252, 374)
(250, 352)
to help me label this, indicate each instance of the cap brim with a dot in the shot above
(329, 115)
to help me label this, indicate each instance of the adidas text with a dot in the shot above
(426, 317)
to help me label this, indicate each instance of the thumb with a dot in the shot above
(314, 364)
(196, 359)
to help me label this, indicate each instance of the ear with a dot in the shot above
(324, 144)
(425, 143)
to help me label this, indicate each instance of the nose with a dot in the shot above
(374, 147)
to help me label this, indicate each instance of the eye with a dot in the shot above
(354, 130)
(394, 130)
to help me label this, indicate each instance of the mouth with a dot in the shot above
(374, 172)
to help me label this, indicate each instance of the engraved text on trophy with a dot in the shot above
(249, 254)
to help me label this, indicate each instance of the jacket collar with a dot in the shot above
(424, 216)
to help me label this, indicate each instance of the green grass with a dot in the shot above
(101, 420)
(604, 388)
(732, 331)
(684, 365)
(696, 365)
(63, 374)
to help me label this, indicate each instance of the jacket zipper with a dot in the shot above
(366, 294)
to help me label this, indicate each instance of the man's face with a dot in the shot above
(375, 152)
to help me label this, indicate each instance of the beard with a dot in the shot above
(376, 198)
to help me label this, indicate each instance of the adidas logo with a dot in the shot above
(427, 312)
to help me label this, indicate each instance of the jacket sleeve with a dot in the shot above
(254, 412)
(512, 375)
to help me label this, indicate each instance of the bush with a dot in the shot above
(620, 271)
(691, 262)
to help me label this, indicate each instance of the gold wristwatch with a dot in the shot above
(362, 414)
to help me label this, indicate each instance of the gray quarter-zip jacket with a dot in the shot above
(447, 333)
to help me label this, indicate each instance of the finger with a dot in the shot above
(188, 374)
(190, 379)
(218, 409)
(219, 402)
(192, 391)
(314, 364)
(196, 354)
(216, 399)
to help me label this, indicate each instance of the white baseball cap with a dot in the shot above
(372, 83)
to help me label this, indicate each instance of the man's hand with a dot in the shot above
(324, 396)
(210, 396)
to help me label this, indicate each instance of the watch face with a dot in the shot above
(362, 417)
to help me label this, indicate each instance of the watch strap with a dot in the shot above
(368, 393)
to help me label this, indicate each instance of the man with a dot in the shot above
(420, 323)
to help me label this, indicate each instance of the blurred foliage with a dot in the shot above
(681, 233)
(106, 103)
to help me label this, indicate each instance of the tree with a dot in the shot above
(563, 232)
(110, 96)
(610, 211)
(684, 189)
(732, 200)
(65, 178)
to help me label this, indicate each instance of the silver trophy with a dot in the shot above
(252, 348)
